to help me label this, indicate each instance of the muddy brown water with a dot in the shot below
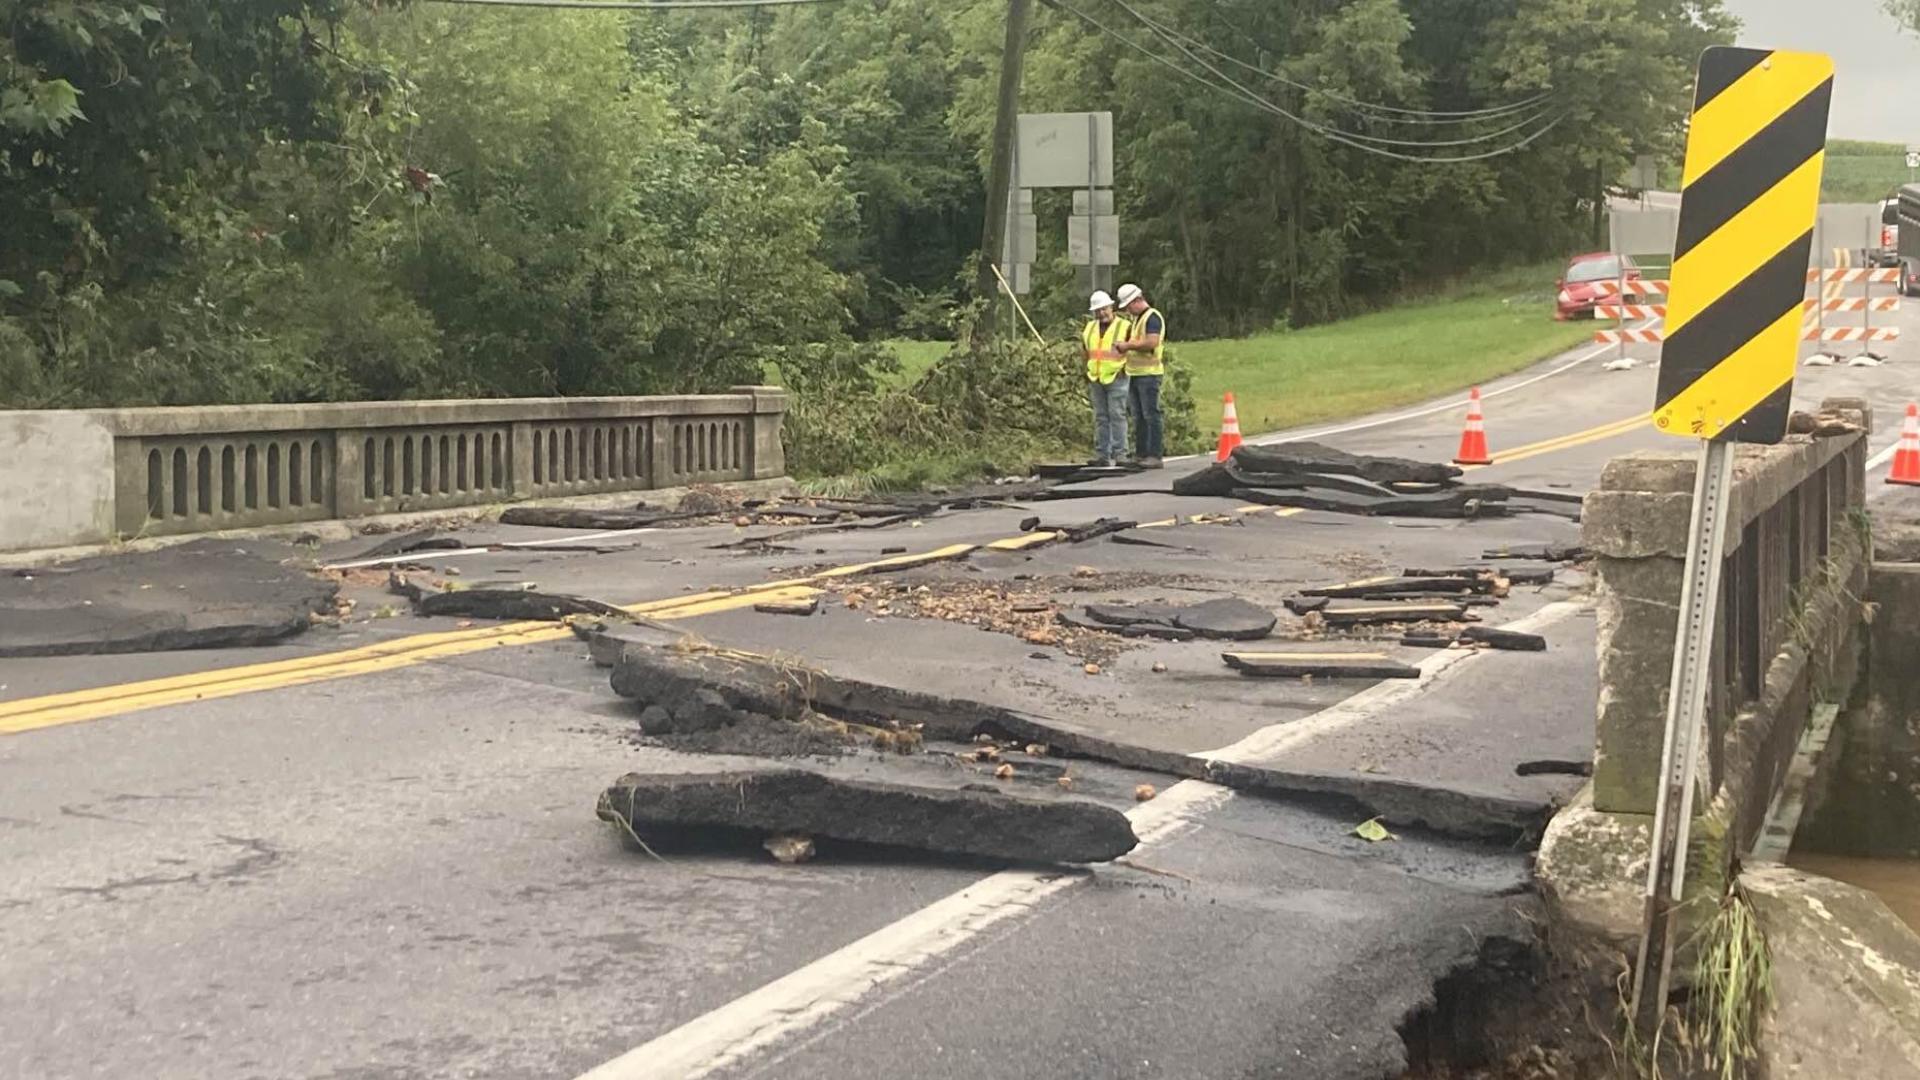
(1894, 881)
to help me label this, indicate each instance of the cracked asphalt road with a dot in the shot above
(395, 871)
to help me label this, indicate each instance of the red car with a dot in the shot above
(1582, 283)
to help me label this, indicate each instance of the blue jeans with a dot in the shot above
(1109, 418)
(1149, 429)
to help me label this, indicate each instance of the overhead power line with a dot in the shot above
(633, 5)
(1327, 130)
(1392, 113)
(1233, 89)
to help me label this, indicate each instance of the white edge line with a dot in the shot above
(517, 545)
(808, 995)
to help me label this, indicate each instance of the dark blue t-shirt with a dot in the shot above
(1153, 324)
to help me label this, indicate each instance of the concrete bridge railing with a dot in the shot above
(1788, 635)
(87, 476)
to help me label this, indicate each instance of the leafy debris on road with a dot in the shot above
(1372, 831)
(1025, 610)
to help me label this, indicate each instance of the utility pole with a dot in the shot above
(1599, 199)
(1000, 169)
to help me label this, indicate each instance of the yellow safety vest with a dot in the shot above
(1104, 362)
(1148, 363)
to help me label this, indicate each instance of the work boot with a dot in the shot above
(1152, 463)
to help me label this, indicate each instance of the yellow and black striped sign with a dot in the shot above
(1748, 197)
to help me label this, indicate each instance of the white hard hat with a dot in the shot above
(1129, 293)
(1098, 300)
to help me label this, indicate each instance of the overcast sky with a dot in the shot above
(1876, 83)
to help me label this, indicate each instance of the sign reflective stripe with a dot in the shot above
(1756, 146)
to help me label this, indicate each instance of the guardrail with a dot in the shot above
(76, 477)
(1795, 564)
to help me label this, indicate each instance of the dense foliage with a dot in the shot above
(217, 200)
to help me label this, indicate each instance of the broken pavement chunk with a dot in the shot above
(1231, 618)
(1077, 534)
(1497, 638)
(941, 820)
(808, 606)
(1393, 613)
(199, 595)
(1515, 575)
(401, 544)
(511, 604)
(1162, 631)
(1543, 552)
(559, 517)
(1292, 457)
(1429, 583)
(1460, 502)
(1129, 614)
(1325, 665)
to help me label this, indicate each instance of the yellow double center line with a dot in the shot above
(51, 710)
(1568, 441)
(54, 709)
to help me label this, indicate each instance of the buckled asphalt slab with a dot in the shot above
(396, 872)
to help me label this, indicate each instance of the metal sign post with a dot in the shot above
(1866, 285)
(1620, 265)
(1819, 287)
(1686, 715)
(1749, 199)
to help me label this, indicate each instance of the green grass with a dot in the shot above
(1499, 323)
(916, 357)
(1862, 171)
(1856, 171)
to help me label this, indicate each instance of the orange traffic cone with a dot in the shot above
(1906, 457)
(1229, 431)
(1473, 440)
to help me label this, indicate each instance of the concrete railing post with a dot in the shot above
(1635, 526)
(349, 473)
(766, 454)
(520, 459)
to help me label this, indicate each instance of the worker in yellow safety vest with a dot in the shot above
(1145, 348)
(1106, 378)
